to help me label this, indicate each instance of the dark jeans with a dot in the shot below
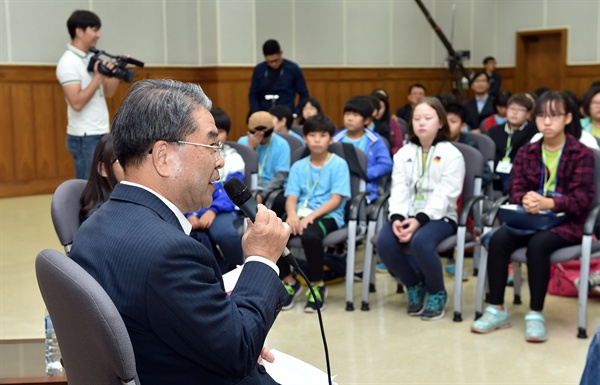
(224, 233)
(422, 263)
(312, 243)
(591, 372)
(539, 247)
(82, 149)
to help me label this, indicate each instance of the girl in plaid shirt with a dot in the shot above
(556, 173)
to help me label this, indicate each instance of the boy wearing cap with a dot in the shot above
(276, 81)
(273, 155)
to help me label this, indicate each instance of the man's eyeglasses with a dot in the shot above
(217, 147)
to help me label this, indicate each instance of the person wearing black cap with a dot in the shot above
(276, 81)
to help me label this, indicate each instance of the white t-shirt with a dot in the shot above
(93, 118)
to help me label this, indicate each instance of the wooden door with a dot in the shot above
(541, 59)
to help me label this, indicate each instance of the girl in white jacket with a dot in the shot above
(427, 181)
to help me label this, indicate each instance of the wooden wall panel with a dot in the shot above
(33, 119)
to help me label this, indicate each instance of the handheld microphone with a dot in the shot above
(241, 196)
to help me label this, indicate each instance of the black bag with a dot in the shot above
(519, 222)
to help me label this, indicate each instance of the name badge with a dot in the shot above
(504, 167)
(418, 203)
(304, 212)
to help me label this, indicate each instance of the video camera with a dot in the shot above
(120, 71)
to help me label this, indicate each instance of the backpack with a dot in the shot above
(563, 276)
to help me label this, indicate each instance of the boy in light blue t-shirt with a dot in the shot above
(316, 190)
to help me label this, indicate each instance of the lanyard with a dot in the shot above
(310, 190)
(423, 168)
(261, 166)
(545, 183)
(508, 146)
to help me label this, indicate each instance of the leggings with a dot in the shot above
(539, 247)
(312, 243)
(422, 264)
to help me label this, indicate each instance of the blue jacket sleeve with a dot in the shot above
(379, 162)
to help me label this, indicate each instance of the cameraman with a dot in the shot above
(85, 92)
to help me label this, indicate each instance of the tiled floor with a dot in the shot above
(382, 346)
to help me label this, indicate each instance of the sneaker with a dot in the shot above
(293, 291)
(535, 327)
(312, 304)
(510, 280)
(593, 282)
(416, 300)
(434, 307)
(449, 270)
(492, 319)
(381, 267)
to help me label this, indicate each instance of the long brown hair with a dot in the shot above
(98, 188)
(443, 133)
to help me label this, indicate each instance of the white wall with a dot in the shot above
(312, 32)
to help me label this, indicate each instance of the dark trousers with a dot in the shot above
(312, 243)
(539, 247)
(422, 263)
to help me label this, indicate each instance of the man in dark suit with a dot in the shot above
(482, 105)
(184, 327)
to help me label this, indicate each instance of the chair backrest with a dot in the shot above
(250, 158)
(93, 339)
(292, 141)
(474, 163)
(596, 175)
(297, 129)
(486, 145)
(64, 210)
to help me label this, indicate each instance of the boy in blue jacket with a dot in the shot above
(357, 117)
(218, 221)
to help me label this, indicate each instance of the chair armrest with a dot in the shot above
(378, 205)
(385, 184)
(270, 199)
(491, 215)
(591, 220)
(466, 210)
(356, 203)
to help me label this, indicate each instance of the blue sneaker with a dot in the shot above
(416, 300)
(535, 327)
(492, 319)
(450, 270)
(434, 307)
(381, 268)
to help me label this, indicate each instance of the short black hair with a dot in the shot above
(586, 100)
(478, 74)
(487, 59)
(541, 91)
(521, 100)
(271, 47)
(281, 112)
(318, 123)
(458, 110)
(222, 119)
(416, 85)
(361, 105)
(82, 19)
(501, 99)
(447, 99)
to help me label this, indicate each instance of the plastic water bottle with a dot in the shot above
(53, 364)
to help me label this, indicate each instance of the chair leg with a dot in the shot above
(481, 278)
(368, 277)
(518, 281)
(582, 295)
(350, 266)
(460, 257)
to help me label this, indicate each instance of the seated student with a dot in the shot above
(500, 105)
(396, 137)
(357, 117)
(105, 173)
(511, 136)
(218, 221)
(557, 174)
(482, 105)
(382, 127)
(317, 187)
(283, 118)
(309, 107)
(427, 180)
(591, 108)
(273, 156)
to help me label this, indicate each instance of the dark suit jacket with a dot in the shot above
(184, 328)
(474, 118)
